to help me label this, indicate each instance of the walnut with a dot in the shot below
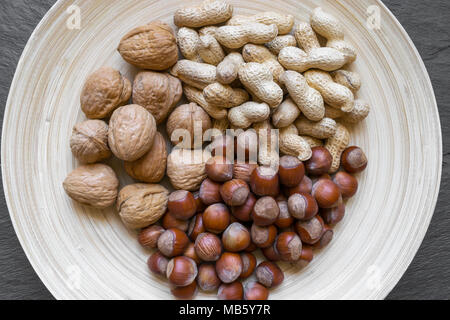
(131, 133)
(152, 166)
(186, 168)
(157, 92)
(152, 46)
(89, 141)
(92, 184)
(188, 117)
(104, 91)
(140, 204)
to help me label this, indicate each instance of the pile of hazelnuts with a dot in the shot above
(207, 239)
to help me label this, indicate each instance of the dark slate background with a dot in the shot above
(426, 21)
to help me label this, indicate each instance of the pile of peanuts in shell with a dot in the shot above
(253, 73)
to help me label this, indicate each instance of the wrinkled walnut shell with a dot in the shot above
(157, 92)
(140, 204)
(104, 91)
(186, 168)
(94, 185)
(152, 46)
(131, 133)
(89, 141)
(152, 166)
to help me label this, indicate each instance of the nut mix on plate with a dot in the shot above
(260, 155)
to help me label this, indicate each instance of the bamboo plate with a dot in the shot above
(81, 253)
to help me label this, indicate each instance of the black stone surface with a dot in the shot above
(426, 21)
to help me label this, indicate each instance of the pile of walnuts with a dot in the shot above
(238, 72)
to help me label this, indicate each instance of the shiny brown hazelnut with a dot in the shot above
(243, 171)
(172, 242)
(271, 254)
(263, 237)
(302, 206)
(196, 227)
(269, 274)
(229, 267)
(284, 219)
(305, 186)
(186, 292)
(182, 204)
(198, 202)
(310, 231)
(347, 184)
(235, 238)
(210, 192)
(307, 253)
(264, 181)
(251, 247)
(325, 239)
(291, 171)
(353, 160)
(255, 291)
(216, 218)
(320, 161)
(169, 221)
(231, 291)
(333, 216)
(207, 278)
(208, 247)
(157, 263)
(223, 146)
(326, 193)
(219, 169)
(248, 264)
(247, 146)
(190, 253)
(181, 271)
(243, 212)
(148, 237)
(234, 192)
(265, 211)
(289, 246)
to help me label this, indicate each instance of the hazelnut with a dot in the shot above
(172, 242)
(207, 278)
(289, 246)
(231, 291)
(191, 253)
(132, 130)
(251, 247)
(186, 168)
(320, 161)
(140, 204)
(247, 146)
(229, 267)
(271, 254)
(89, 141)
(152, 46)
(291, 171)
(310, 231)
(169, 221)
(353, 160)
(219, 169)
(234, 192)
(196, 227)
(264, 182)
(185, 293)
(326, 193)
(325, 239)
(198, 202)
(148, 237)
(333, 216)
(103, 92)
(263, 237)
(208, 247)
(305, 186)
(157, 263)
(243, 212)
(269, 274)
(236, 237)
(243, 170)
(94, 185)
(248, 264)
(185, 122)
(210, 192)
(265, 211)
(307, 253)
(347, 184)
(181, 271)
(302, 206)
(216, 218)
(182, 204)
(255, 291)
(284, 219)
(157, 92)
(151, 167)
